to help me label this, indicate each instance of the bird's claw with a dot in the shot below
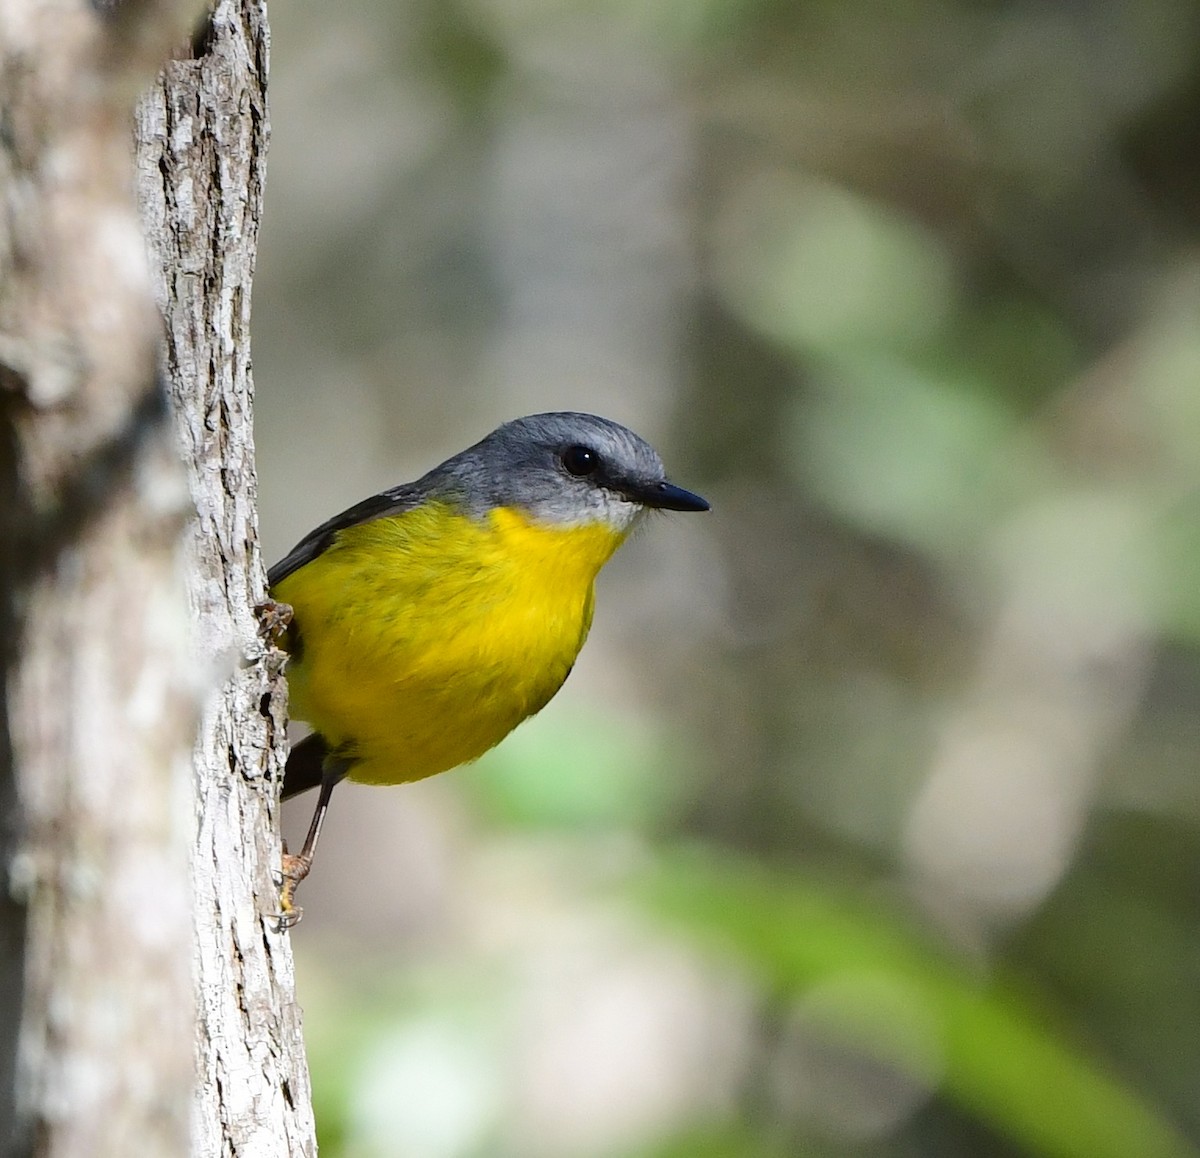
(288, 916)
(273, 619)
(292, 871)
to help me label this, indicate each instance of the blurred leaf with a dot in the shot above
(403, 1059)
(904, 452)
(1178, 539)
(1022, 350)
(577, 768)
(821, 269)
(999, 1058)
(720, 1140)
(1089, 551)
(449, 40)
(1117, 944)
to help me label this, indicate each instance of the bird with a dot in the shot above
(426, 622)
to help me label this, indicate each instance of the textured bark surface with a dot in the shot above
(201, 150)
(94, 768)
(107, 674)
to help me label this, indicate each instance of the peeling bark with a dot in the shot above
(112, 997)
(202, 135)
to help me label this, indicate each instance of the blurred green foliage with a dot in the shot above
(910, 1007)
(911, 292)
(580, 769)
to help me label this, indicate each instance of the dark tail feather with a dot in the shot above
(305, 766)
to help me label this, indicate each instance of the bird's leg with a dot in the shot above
(296, 868)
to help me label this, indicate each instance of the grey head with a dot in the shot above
(563, 468)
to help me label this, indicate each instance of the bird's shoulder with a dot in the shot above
(394, 501)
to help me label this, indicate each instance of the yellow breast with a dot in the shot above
(426, 637)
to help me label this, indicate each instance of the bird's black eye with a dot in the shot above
(580, 460)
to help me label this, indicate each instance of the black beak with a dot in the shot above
(668, 497)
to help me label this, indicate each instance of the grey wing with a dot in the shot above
(316, 542)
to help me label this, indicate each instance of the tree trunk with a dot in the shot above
(202, 135)
(100, 1037)
(94, 1044)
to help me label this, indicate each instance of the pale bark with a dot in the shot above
(201, 151)
(100, 1033)
(100, 702)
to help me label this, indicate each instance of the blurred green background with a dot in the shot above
(869, 823)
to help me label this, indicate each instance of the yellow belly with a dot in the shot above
(426, 637)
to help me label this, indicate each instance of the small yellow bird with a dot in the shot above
(428, 621)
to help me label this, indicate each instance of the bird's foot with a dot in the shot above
(273, 619)
(294, 870)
